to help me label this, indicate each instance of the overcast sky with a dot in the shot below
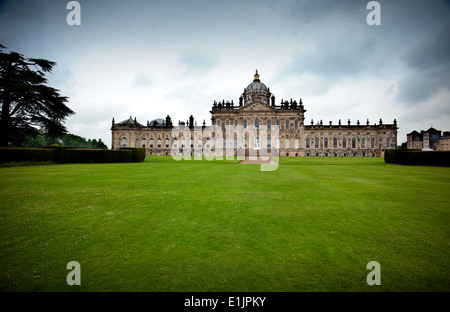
(149, 59)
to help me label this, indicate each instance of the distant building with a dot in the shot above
(429, 139)
(256, 108)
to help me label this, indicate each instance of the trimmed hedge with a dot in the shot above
(26, 154)
(68, 154)
(417, 157)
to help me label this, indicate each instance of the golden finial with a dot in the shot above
(256, 75)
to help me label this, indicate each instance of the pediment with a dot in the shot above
(256, 106)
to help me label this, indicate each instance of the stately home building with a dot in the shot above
(281, 127)
(429, 139)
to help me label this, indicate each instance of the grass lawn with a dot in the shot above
(162, 225)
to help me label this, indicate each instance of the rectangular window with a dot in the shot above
(296, 124)
(363, 143)
(325, 143)
(269, 124)
(344, 143)
(287, 124)
(308, 145)
(316, 145)
(388, 143)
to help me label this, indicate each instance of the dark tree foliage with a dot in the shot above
(27, 103)
(67, 140)
(80, 142)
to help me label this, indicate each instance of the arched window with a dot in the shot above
(344, 143)
(257, 123)
(296, 142)
(325, 143)
(296, 124)
(151, 143)
(124, 142)
(245, 142)
(363, 143)
(218, 142)
(353, 143)
(235, 142)
(388, 142)
(174, 142)
(372, 143)
(159, 142)
(143, 142)
(245, 123)
(335, 143)
(218, 122)
(183, 143)
(287, 143)
(316, 143)
(257, 143)
(167, 143)
(269, 124)
(308, 143)
(287, 124)
(199, 143)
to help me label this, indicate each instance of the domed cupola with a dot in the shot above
(256, 91)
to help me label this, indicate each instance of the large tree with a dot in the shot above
(27, 103)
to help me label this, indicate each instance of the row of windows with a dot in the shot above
(269, 123)
(326, 143)
(257, 143)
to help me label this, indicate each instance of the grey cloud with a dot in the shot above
(431, 52)
(197, 62)
(429, 62)
(142, 79)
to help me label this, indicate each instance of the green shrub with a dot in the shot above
(69, 154)
(26, 154)
(417, 157)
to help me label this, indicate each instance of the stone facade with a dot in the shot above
(429, 139)
(257, 110)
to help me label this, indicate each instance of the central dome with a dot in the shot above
(256, 85)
